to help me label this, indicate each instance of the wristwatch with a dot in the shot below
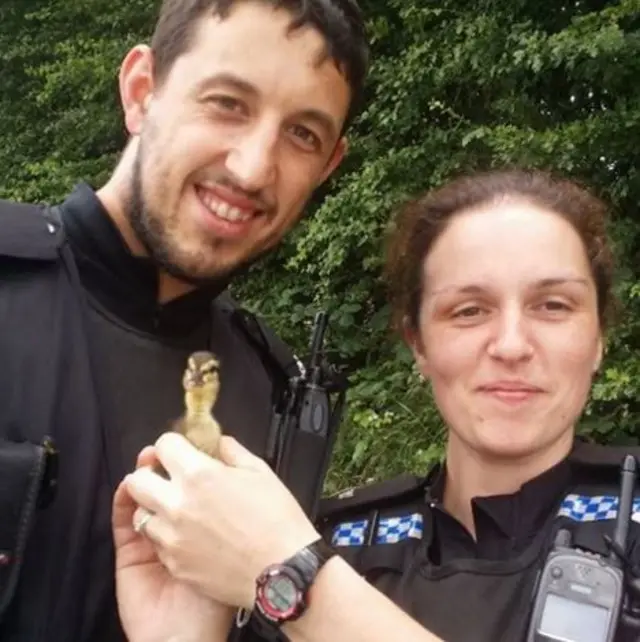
(282, 589)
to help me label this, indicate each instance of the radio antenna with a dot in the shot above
(628, 476)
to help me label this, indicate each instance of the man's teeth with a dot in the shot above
(224, 210)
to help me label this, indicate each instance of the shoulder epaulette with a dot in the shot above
(29, 231)
(596, 455)
(279, 354)
(393, 490)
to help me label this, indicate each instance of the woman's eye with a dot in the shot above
(555, 306)
(468, 312)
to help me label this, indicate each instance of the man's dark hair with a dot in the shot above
(339, 21)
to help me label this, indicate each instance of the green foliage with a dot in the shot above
(455, 86)
(459, 86)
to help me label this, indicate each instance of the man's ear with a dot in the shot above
(337, 156)
(136, 82)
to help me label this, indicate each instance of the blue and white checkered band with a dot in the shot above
(580, 508)
(583, 508)
(391, 530)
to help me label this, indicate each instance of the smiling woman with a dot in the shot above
(501, 286)
(500, 283)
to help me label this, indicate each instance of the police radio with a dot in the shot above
(580, 595)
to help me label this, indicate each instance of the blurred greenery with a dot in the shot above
(455, 86)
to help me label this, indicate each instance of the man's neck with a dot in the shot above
(471, 474)
(111, 197)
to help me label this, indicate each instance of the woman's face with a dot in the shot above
(509, 334)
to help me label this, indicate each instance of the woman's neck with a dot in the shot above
(473, 474)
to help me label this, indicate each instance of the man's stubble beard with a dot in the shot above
(151, 230)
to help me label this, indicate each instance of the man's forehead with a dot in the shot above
(257, 27)
(269, 60)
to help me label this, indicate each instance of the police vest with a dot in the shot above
(51, 440)
(384, 530)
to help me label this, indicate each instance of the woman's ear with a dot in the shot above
(413, 339)
(600, 351)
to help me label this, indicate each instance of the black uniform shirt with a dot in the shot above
(398, 535)
(139, 350)
(505, 524)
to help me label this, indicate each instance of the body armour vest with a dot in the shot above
(385, 530)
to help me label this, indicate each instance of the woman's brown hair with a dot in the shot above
(421, 221)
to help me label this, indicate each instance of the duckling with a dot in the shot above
(201, 383)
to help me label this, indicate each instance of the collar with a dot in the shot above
(515, 515)
(124, 284)
(29, 232)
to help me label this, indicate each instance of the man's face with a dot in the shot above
(233, 142)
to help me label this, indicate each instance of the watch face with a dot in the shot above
(280, 596)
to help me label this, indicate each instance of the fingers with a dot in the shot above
(123, 509)
(151, 491)
(147, 457)
(233, 453)
(180, 457)
(151, 526)
(140, 519)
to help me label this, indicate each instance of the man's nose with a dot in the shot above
(253, 158)
(511, 340)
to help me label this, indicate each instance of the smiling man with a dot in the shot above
(236, 112)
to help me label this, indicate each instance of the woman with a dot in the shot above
(501, 286)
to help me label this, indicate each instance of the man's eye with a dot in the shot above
(225, 103)
(305, 135)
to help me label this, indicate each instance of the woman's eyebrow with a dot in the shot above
(540, 284)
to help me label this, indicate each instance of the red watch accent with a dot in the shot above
(282, 589)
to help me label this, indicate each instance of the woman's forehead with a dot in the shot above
(511, 239)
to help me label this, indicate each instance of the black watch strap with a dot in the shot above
(309, 560)
(306, 563)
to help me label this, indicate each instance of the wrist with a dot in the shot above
(296, 628)
(286, 547)
(282, 590)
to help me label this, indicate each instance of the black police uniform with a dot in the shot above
(399, 537)
(88, 358)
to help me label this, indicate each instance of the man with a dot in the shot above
(236, 113)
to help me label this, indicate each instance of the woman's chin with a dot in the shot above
(506, 442)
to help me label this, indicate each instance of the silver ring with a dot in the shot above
(242, 617)
(139, 527)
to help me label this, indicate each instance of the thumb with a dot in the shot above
(234, 454)
(123, 508)
(147, 457)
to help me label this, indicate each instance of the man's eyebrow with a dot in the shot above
(232, 81)
(228, 80)
(541, 284)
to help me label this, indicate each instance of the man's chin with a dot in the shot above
(201, 275)
(196, 277)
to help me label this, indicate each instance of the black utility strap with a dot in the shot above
(23, 473)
